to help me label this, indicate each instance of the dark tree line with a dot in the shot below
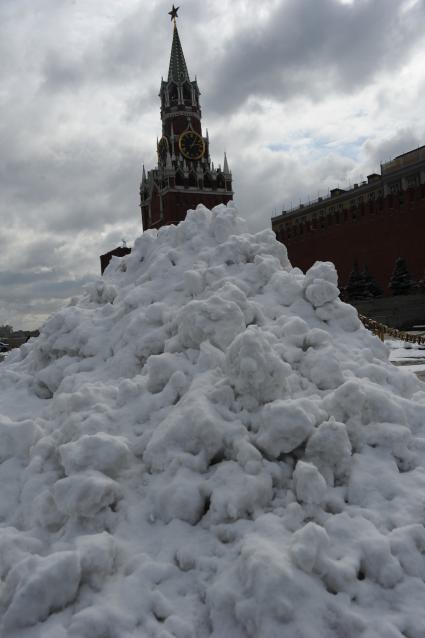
(362, 285)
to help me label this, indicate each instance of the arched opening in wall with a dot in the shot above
(174, 94)
(193, 180)
(207, 181)
(187, 93)
(179, 179)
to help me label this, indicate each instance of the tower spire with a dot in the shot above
(226, 165)
(177, 70)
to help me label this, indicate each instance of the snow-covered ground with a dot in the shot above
(209, 443)
(408, 355)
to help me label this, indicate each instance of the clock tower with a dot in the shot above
(185, 175)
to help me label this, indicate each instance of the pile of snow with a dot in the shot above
(209, 443)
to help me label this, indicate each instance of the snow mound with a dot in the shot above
(209, 443)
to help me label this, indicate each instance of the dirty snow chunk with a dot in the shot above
(287, 287)
(179, 499)
(100, 292)
(320, 292)
(155, 313)
(37, 586)
(340, 316)
(310, 486)
(265, 583)
(195, 429)
(284, 426)
(322, 368)
(231, 292)
(16, 438)
(14, 547)
(330, 449)
(308, 545)
(160, 368)
(85, 494)
(253, 368)
(324, 270)
(222, 223)
(236, 494)
(214, 319)
(267, 266)
(379, 563)
(101, 621)
(97, 554)
(193, 282)
(101, 452)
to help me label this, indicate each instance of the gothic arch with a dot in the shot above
(179, 178)
(207, 181)
(187, 93)
(220, 181)
(173, 92)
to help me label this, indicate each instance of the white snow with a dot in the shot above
(209, 443)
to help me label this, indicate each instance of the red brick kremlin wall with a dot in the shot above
(374, 234)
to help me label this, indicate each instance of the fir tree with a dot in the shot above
(421, 284)
(370, 285)
(354, 287)
(401, 281)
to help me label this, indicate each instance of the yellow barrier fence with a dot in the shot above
(380, 329)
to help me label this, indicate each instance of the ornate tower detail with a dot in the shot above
(185, 175)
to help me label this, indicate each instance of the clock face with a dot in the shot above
(163, 149)
(191, 145)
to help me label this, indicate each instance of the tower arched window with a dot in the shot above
(187, 93)
(207, 181)
(220, 181)
(193, 180)
(174, 94)
(179, 179)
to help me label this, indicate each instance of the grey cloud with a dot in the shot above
(123, 54)
(15, 278)
(315, 47)
(39, 289)
(405, 139)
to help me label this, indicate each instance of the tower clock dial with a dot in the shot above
(163, 149)
(191, 145)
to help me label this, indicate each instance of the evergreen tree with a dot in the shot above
(401, 281)
(421, 284)
(354, 287)
(371, 287)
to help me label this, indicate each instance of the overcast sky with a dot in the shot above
(304, 95)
